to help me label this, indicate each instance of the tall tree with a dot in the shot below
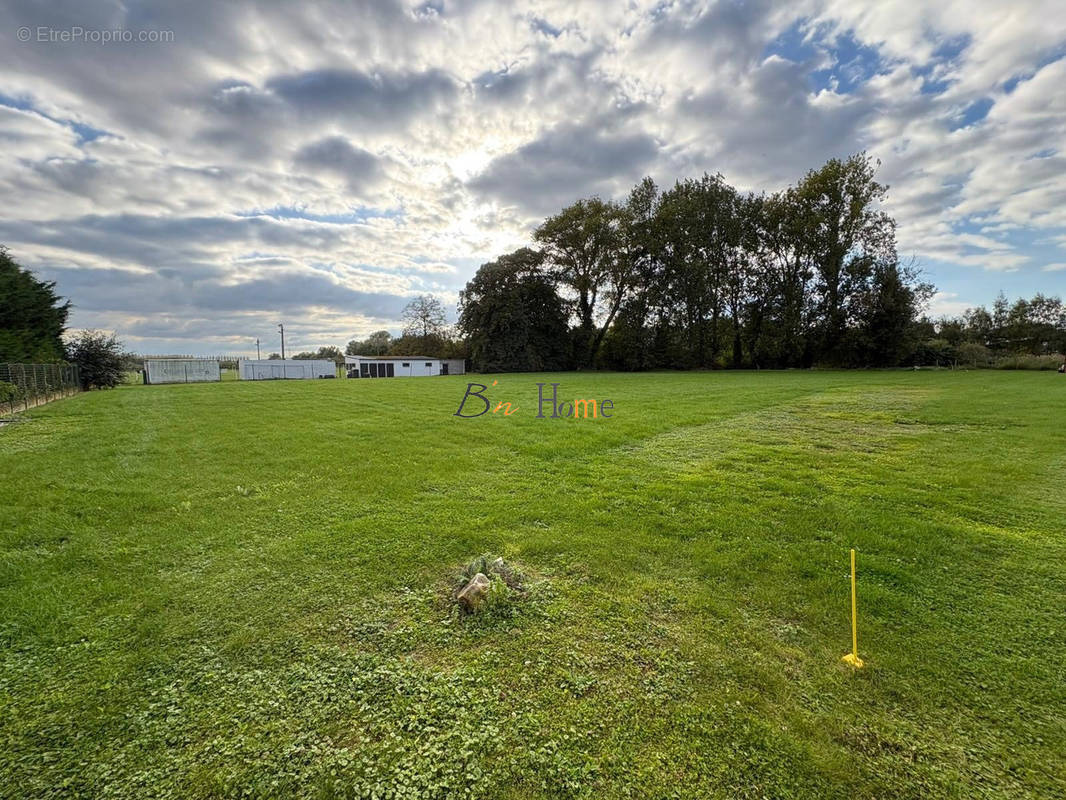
(843, 226)
(691, 268)
(787, 264)
(32, 318)
(424, 317)
(425, 332)
(583, 246)
(513, 317)
(739, 253)
(764, 303)
(705, 265)
(630, 342)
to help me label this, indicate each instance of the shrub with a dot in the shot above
(505, 583)
(973, 354)
(99, 357)
(935, 353)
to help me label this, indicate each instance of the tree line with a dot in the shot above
(425, 332)
(700, 275)
(982, 337)
(703, 275)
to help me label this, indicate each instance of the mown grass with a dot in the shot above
(243, 589)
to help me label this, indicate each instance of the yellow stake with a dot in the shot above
(853, 657)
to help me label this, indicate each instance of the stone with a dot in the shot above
(472, 595)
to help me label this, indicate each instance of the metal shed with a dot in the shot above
(289, 368)
(402, 366)
(181, 370)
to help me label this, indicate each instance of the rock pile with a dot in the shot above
(486, 578)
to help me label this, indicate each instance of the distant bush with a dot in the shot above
(1051, 362)
(972, 354)
(99, 357)
(935, 353)
(940, 353)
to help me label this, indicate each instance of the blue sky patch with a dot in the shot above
(1055, 55)
(85, 133)
(851, 63)
(543, 26)
(972, 114)
(21, 103)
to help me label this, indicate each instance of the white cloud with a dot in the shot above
(947, 304)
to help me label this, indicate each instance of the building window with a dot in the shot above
(429, 363)
(407, 363)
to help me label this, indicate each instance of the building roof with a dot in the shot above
(400, 358)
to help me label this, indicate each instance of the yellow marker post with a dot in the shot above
(853, 657)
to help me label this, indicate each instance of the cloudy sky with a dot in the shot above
(225, 166)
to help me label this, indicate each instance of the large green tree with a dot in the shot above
(513, 318)
(781, 322)
(631, 341)
(690, 288)
(848, 235)
(887, 310)
(584, 248)
(32, 316)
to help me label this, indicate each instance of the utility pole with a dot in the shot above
(258, 355)
(281, 327)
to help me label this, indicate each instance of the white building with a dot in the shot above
(402, 366)
(293, 368)
(181, 370)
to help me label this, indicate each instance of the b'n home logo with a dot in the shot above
(476, 403)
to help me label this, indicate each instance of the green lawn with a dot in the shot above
(242, 589)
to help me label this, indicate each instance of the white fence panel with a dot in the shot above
(293, 369)
(199, 370)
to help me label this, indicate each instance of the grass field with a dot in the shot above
(242, 589)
